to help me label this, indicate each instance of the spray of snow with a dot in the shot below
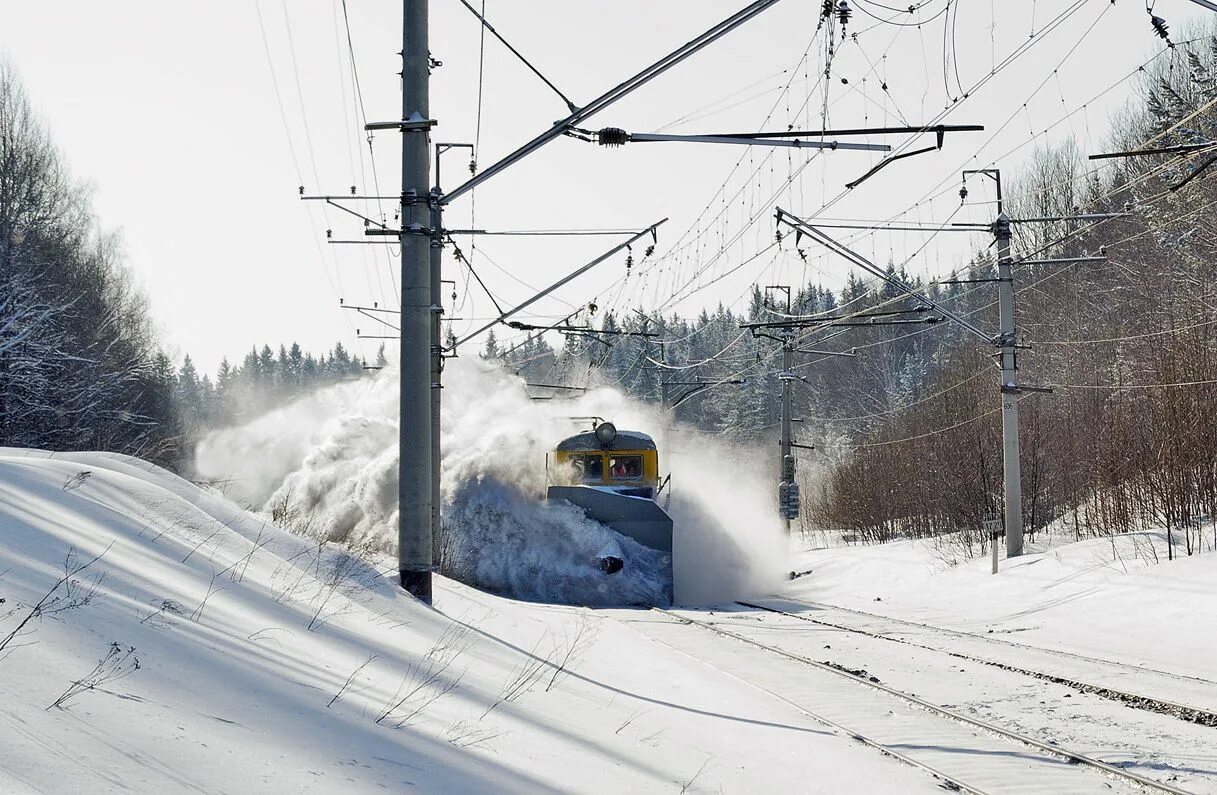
(332, 459)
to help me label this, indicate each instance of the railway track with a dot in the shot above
(1149, 703)
(988, 638)
(965, 752)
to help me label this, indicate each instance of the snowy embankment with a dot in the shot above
(1115, 599)
(269, 663)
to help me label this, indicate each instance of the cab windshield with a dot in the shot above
(588, 467)
(625, 467)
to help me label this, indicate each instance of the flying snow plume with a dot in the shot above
(327, 464)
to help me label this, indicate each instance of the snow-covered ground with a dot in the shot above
(1100, 597)
(267, 663)
(1012, 649)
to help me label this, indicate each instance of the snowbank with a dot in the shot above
(269, 663)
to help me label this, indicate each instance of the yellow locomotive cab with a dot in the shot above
(635, 471)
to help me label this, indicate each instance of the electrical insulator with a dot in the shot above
(592, 307)
(1160, 27)
(301, 190)
(826, 10)
(629, 261)
(963, 193)
(353, 191)
(329, 233)
(473, 166)
(612, 136)
(844, 12)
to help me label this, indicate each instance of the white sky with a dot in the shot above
(169, 111)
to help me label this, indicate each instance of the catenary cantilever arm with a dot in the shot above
(873, 269)
(575, 274)
(613, 95)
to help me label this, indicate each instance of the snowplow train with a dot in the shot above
(613, 475)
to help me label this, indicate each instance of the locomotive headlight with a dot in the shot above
(606, 432)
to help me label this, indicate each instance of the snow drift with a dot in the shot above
(270, 663)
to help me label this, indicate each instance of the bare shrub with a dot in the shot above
(521, 679)
(223, 526)
(295, 519)
(238, 571)
(347, 574)
(466, 734)
(347, 685)
(288, 578)
(575, 642)
(77, 480)
(197, 613)
(120, 662)
(167, 607)
(68, 593)
(696, 776)
(424, 683)
(178, 519)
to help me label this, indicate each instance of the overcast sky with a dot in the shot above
(169, 110)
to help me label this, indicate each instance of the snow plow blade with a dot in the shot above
(636, 517)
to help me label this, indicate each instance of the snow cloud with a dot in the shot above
(330, 462)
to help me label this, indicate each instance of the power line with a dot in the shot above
(270, 65)
(487, 26)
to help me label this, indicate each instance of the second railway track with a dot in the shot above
(965, 751)
(1147, 700)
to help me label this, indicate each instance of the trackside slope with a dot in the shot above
(268, 662)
